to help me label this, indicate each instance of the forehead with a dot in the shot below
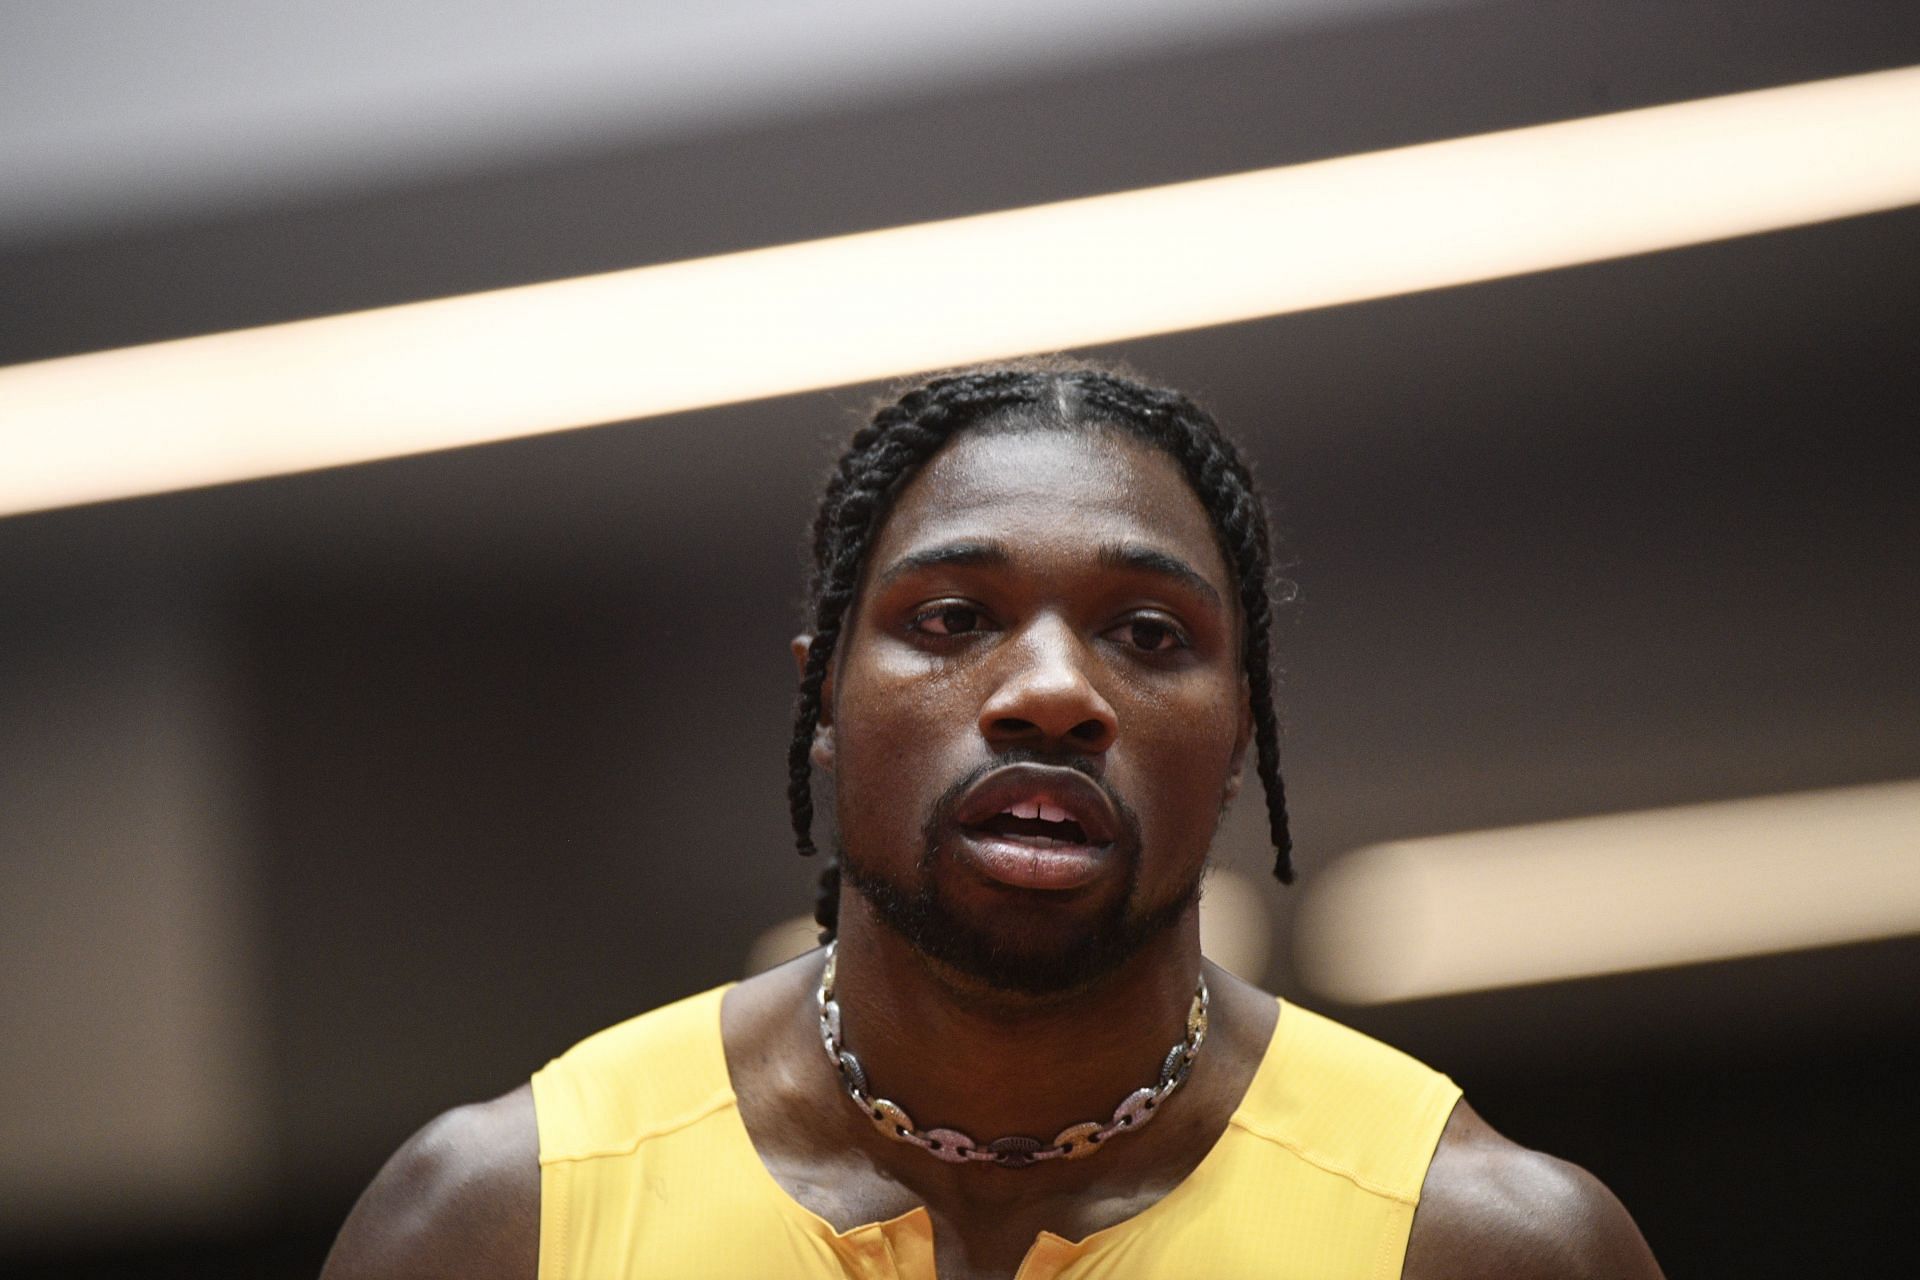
(1057, 491)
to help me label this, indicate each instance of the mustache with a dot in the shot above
(942, 814)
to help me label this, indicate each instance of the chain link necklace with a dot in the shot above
(1013, 1152)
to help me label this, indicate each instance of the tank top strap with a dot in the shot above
(634, 1081)
(1349, 1104)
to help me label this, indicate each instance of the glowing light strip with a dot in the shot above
(654, 340)
(1489, 909)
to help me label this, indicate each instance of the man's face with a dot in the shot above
(1037, 713)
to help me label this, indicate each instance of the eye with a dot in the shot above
(948, 618)
(1150, 634)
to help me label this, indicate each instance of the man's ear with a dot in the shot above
(822, 750)
(1236, 772)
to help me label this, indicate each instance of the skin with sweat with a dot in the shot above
(1056, 598)
(1088, 620)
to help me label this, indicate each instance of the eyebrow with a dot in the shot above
(947, 555)
(1130, 557)
(1138, 559)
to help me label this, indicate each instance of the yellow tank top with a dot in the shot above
(647, 1171)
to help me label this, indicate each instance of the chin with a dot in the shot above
(1027, 957)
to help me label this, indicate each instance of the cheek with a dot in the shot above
(1193, 723)
(886, 709)
(891, 762)
(897, 704)
(1181, 762)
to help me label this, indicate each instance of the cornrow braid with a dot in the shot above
(900, 439)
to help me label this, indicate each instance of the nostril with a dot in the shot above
(1089, 731)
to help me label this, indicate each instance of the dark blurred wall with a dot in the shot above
(331, 801)
(130, 1065)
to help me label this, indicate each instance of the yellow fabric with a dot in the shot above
(647, 1171)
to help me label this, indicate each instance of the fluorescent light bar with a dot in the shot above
(1489, 909)
(779, 943)
(711, 331)
(1236, 928)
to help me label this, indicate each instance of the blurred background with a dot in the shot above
(332, 800)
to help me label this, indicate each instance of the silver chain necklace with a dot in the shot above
(1013, 1152)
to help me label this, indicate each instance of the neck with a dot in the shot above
(957, 1055)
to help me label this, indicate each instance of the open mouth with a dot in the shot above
(1037, 822)
(1039, 827)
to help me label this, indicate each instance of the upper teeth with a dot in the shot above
(1039, 809)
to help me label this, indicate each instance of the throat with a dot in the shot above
(991, 1121)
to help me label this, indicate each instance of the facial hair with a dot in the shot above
(923, 915)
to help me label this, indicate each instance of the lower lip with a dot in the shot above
(1035, 866)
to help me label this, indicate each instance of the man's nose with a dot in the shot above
(1045, 695)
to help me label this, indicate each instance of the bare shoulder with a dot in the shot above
(461, 1198)
(1493, 1210)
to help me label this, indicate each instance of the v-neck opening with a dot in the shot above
(865, 1236)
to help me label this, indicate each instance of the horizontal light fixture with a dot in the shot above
(744, 326)
(1590, 896)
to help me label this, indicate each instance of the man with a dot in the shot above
(1037, 661)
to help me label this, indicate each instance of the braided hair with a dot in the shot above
(902, 436)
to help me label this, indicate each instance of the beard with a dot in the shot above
(1029, 963)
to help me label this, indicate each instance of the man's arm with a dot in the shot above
(459, 1201)
(1493, 1210)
